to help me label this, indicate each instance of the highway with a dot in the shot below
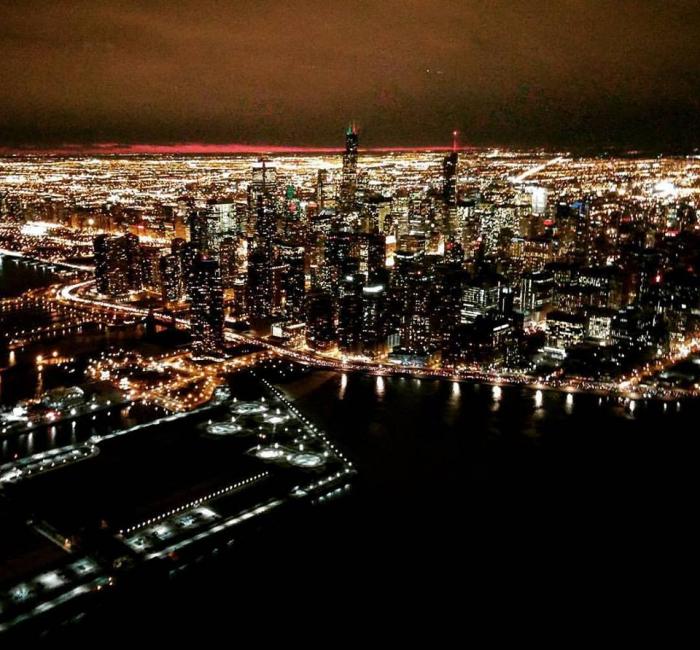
(536, 170)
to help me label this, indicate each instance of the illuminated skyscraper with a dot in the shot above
(118, 264)
(348, 185)
(480, 295)
(339, 260)
(539, 200)
(205, 229)
(259, 288)
(264, 178)
(410, 302)
(444, 303)
(322, 190)
(228, 261)
(225, 218)
(260, 263)
(536, 292)
(150, 267)
(374, 308)
(292, 259)
(207, 309)
(320, 320)
(499, 224)
(101, 251)
(350, 314)
(262, 191)
(172, 287)
(374, 246)
(449, 194)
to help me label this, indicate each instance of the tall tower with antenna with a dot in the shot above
(449, 188)
(348, 185)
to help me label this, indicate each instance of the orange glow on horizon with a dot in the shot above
(195, 148)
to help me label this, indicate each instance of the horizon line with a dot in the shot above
(193, 148)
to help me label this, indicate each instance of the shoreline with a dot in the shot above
(322, 362)
(5, 252)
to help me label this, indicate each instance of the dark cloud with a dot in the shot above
(529, 72)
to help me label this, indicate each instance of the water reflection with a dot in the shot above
(496, 393)
(39, 382)
(569, 403)
(379, 386)
(455, 394)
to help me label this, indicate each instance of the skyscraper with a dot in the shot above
(320, 320)
(188, 254)
(350, 314)
(172, 287)
(117, 264)
(536, 291)
(205, 229)
(150, 267)
(207, 309)
(293, 280)
(228, 261)
(449, 193)
(322, 189)
(410, 301)
(348, 186)
(101, 252)
(338, 260)
(374, 245)
(260, 260)
(374, 320)
(262, 191)
(259, 288)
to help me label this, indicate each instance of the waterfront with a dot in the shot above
(22, 378)
(457, 485)
(329, 323)
(458, 438)
(455, 479)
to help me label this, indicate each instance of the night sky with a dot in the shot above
(535, 72)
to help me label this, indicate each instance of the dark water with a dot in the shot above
(21, 378)
(442, 464)
(461, 494)
(18, 275)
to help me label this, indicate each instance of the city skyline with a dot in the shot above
(316, 314)
(205, 358)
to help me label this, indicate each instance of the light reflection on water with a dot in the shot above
(496, 394)
(380, 386)
(569, 403)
